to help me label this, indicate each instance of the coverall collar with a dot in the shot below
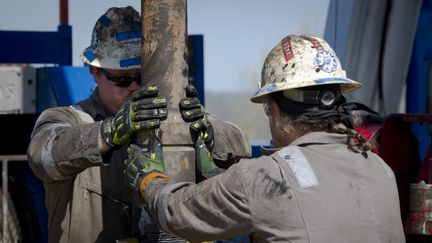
(319, 137)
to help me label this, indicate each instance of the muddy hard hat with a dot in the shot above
(300, 62)
(116, 40)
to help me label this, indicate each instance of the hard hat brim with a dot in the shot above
(347, 85)
(91, 59)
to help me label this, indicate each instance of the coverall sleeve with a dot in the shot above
(217, 208)
(64, 142)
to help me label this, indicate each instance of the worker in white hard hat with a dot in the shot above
(320, 184)
(78, 150)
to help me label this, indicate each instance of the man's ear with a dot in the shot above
(96, 72)
(275, 111)
(274, 115)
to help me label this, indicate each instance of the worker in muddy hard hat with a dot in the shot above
(78, 150)
(320, 184)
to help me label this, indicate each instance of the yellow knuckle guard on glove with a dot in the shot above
(144, 110)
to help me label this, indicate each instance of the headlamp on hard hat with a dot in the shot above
(325, 98)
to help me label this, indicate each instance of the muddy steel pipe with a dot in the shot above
(164, 63)
(164, 59)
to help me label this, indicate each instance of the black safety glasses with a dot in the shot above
(121, 81)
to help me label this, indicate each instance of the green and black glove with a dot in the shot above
(144, 110)
(192, 111)
(201, 132)
(142, 167)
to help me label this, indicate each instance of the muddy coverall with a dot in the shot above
(86, 197)
(315, 190)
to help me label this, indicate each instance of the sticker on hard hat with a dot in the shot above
(127, 35)
(325, 61)
(89, 55)
(130, 62)
(287, 49)
(104, 20)
(315, 43)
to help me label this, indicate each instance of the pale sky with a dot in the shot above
(237, 33)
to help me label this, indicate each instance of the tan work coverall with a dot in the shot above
(86, 198)
(315, 190)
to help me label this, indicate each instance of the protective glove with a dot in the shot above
(201, 132)
(144, 110)
(192, 111)
(142, 167)
(204, 161)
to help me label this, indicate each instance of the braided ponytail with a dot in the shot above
(355, 141)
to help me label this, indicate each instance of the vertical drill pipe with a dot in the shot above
(164, 48)
(164, 63)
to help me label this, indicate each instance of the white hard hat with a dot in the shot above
(116, 40)
(300, 62)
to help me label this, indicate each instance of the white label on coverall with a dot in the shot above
(300, 166)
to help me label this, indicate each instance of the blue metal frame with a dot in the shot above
(418, 81)
(196, 64)
(37, 47)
